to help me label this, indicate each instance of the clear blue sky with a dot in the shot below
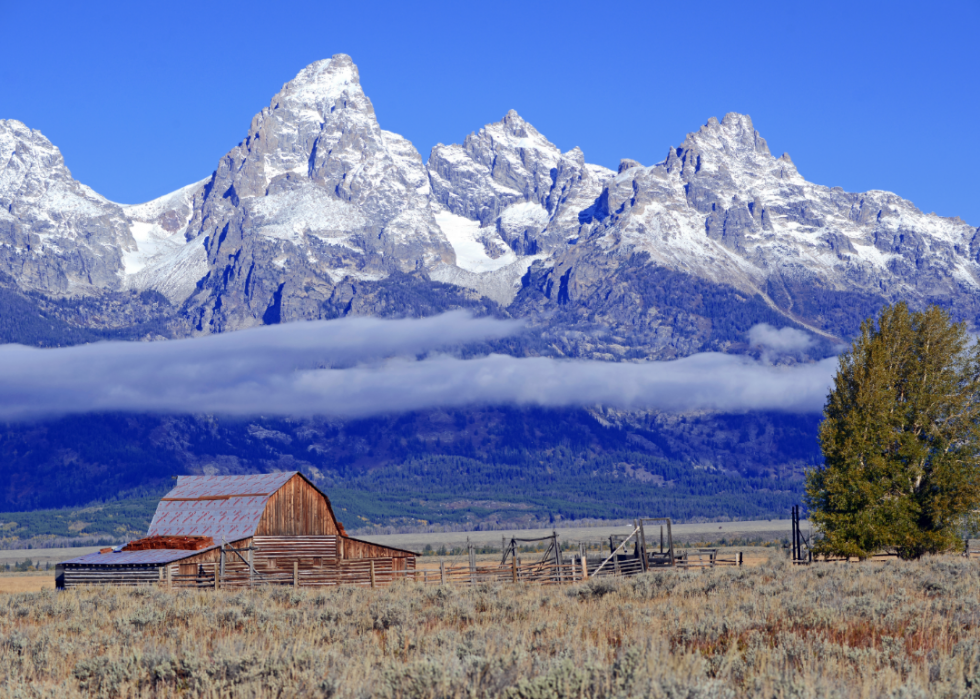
(145, 97)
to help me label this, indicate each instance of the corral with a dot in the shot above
(241, 530)
(279, 529)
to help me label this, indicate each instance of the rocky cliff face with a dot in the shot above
(61, 239)
(719, 208)
(723, 207)
(56, 235)
(319, 212)
(315, 195)
(513, 193)
(510, 177)
(169, 257)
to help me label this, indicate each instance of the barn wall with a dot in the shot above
(297, 509)
(355, 548)
(298, 548)
(74, 575)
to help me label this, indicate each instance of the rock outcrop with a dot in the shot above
(510, 177)
(722, 209)
(315, 194)
(57, 236)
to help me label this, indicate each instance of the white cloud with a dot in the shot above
(784, 340)
(272, 371)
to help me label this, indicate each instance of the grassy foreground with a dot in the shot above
(858, 630)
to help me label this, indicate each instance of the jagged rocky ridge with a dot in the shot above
(319, 213)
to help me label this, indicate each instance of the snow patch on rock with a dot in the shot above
(526, 214)
(466, 237)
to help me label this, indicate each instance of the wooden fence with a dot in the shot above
(379, 572)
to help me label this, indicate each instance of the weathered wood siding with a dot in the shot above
(295, 547)
(74, 575)
(297, 509)
(355, 548)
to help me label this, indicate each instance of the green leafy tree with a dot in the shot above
(900, 439)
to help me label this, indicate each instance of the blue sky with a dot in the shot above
(143, 98)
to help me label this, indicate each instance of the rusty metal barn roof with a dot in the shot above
(135, 558)
(226, 508)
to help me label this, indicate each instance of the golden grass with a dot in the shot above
(26, 583)
(859, 630)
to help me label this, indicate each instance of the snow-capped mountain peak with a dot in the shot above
(57, 234)
(322, 83)
(315, 194)
(318, 202)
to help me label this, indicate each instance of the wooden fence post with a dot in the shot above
(251, 568)
(739, 558)
(295, 573)
(513, 568)
(585, 568)
(216, 577)
(372, 572)
(558, 555)
(442, 572)
(643, 547)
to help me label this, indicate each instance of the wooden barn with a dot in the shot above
(275, 528)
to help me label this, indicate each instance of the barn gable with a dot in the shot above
(298, 508)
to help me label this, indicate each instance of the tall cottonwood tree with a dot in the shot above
(900, 438)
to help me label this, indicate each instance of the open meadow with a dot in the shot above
(908, 629)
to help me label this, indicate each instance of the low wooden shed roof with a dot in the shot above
(135, 558)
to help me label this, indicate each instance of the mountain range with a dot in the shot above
(318, 213)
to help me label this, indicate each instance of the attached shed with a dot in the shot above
(262, 528)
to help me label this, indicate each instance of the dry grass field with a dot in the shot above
(26, 582)
(849, 630)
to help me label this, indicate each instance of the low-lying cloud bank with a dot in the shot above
(271, 371)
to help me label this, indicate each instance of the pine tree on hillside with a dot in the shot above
(900, 439)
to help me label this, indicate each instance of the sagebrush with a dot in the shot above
(909, 629)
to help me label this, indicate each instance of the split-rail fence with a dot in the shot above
(238, 569)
